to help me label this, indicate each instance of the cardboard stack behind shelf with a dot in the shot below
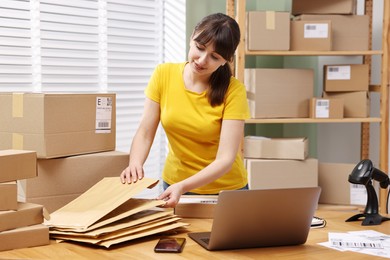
(20, 223)
(58, 124)
(289, 167)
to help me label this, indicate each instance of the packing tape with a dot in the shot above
(17, 141)
(17, 105)
(270, 20)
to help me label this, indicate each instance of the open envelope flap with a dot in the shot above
(98, 201)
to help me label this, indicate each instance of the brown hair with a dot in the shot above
(224, 33)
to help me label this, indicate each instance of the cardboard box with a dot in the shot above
(26, 214)
(278, 174)
(8, 196)
(196, 206)
(311, 35)
(279, 93)
(17, 165)
(71, 175)
(54, 202)
(327, 108)
(268, 30)
(37, 235)
(276, 148)
(349, 32)
(349, 77)
(356, 104)
(57, 125)
(323, 7)
(336, 189)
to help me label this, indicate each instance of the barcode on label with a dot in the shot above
(357, 186)
(310, 27)
(333, 69)
(322, 103)
(357, 244)
(103, 124)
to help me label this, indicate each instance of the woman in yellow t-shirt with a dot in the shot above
(202, 109)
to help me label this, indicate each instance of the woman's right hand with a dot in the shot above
(132, 173)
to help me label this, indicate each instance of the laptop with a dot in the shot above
(260, 218)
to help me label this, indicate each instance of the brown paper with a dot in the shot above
(97, 202)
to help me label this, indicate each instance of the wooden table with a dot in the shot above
(143, 248)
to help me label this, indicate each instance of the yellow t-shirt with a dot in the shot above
(193, 127)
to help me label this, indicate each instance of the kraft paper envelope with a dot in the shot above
(138, 219)
(97, 202)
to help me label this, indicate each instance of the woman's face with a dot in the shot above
(203, 59)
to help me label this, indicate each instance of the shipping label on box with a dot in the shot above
(268, 30)
(276, 148)
(341, 78)
(326, 108)
(311, 35)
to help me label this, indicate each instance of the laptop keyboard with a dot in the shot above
(206, 240)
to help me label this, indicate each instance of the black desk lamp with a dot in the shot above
(363, 173)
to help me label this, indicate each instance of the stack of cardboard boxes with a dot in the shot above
(73, 136)
(21, 224)
(276, 163)
(311, 26)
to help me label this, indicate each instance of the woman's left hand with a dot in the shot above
(171, 195)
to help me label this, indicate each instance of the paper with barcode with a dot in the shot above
(103, 114)
(316, 30)
(364, 241)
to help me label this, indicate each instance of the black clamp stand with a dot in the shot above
(370, 215)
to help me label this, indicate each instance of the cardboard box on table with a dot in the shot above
(348, 77)
(61, 180)
(277, 174)
(17, 165)
(8, 196)
(336, 189)
(327, 108)
(323, 7)
(356, 103)
(268, 30)
(311, 35)
(276, 148)
(26, 214)
(349, 32)
(276, 93)
(36, 235)
(58, 124)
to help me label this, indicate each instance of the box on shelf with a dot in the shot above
(349, 77)
(26, 214)
(276, 148)
(268, 30)
(17, 165)
(68, 177)
(279, 93)
(336, 189)
(277, 174)
(323, 7)
(327, 108)
(349, 32)
(8, 196)
(311, 35)
(58, 124)
(356, 103)
(196, 206)
(37, 235)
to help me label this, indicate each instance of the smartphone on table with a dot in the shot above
(170, 245)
